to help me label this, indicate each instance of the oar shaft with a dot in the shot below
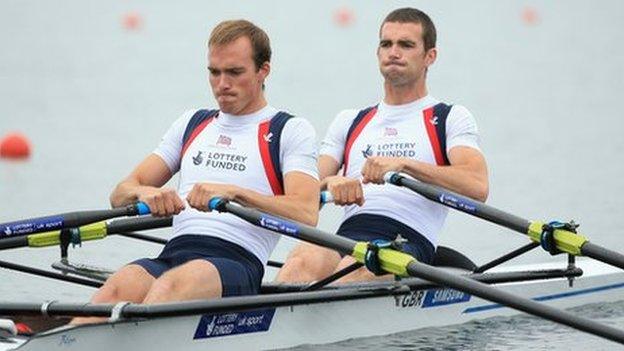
(138, 223)
(602, 254)
(566, 241)
(416, 269)
(48, 274)
(67, 220)
(93, 231)
(287, 227)
(462, 203)
(14, 242)
(525, 305)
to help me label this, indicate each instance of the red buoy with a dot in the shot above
(530, 16)
(132, 21)
(14, 146)
(344, 17)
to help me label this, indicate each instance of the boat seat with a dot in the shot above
(447, 257)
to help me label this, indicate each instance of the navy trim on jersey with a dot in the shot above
(358, 124)
(358, 119)
(441, 111)
(276, 125)
(195, 121)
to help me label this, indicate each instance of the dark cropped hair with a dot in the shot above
(412, 15)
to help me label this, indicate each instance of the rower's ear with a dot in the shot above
(430, 56)
(264, 70)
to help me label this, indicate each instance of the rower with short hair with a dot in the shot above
(246, 151)
(408, 131)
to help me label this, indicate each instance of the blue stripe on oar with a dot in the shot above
(36, 225)
(549, 297)
(71, 219)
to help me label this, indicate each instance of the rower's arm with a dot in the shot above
(333, 147)
(299, 202)
(151, 174)
(466, 175)
(327, 167)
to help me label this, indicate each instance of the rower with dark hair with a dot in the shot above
(409, 131)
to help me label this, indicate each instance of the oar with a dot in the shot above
(402, 264)
(93, 231)
(48, 274)
(565, 240)
(68, 220)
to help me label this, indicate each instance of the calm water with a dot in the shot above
(95, 98)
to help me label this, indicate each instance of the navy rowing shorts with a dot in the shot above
(240, 271)
(368, 227)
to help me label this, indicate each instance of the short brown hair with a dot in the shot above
(412, 15)
(228, 31)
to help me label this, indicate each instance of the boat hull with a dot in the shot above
(327, 322)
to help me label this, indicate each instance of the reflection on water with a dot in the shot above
(516, 333)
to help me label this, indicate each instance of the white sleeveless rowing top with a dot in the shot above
(398, 131)
(227, 152)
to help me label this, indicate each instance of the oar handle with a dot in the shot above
(68, 220)
(217, 203)
(392, 178)
(142, 209)
(326, 197)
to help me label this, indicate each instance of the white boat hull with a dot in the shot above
(329, 322)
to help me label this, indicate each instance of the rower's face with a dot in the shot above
(235, 81)
(401, 53)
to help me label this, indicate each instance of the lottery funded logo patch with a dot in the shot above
(223, 324)
(393, 149)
